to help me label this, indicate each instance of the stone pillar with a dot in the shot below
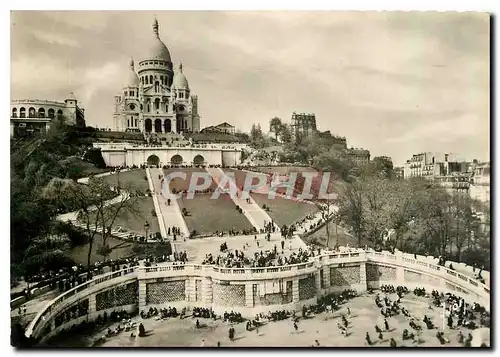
(317, 278)
(249, 294)
(142, 293)
(295, 290)
(190, 292)
(400, 276)
(326, 276)
(206, 291)
(12, 129)
(92, 304)
(362, 276)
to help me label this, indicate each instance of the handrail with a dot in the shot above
(321, 260)
(96, 281)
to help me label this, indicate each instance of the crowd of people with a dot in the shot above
(162, 313)
(175, 258)
(238, 258)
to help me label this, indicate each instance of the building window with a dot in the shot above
(157, 104)
(51, 113)
(161, 79)
(59, 113)
(187, 95)
(41, 113)
(128, 123)
(181, 95)
(151, 79)
(22, 113)
(14, 112)
(135, 123)
(166, 108)
(146, 79)
(31, 112)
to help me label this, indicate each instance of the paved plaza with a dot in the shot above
(175, 332)
(196, 249)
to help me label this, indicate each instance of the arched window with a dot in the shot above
(59, 113)
(166, 108)
(146, 77)
(31, 112)
(22, 113)
(51, 113)
(135, 123)
(157, 104)
(150, 79)
(14, 112)
(128, 123)
(41, 113)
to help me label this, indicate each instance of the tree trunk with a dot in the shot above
(91, 242)
(327, 233)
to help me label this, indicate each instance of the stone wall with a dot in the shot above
(345, 276)
(376, 272)
(164, 292)
(307, 288)
(229, 295)
(78, 310)
(120, 295)
(262, 297)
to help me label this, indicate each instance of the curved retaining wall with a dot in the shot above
(249, 290)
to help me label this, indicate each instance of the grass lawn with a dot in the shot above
(135, 178)
(121, 250)
(319, 238)
(180, 184)
(284, 211)
(208, 216)
(134, 221)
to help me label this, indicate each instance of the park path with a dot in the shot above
(85, 180)
(154, 194)
(253, 212)
(72, 217)
(171, 215)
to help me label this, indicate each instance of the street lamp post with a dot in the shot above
(146, 227)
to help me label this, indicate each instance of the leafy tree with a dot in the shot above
(286, 134)
(97, 212)
(275, 126)
(383, 166)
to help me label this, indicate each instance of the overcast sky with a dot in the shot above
(394, 83)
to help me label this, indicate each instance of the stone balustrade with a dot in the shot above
(249, 290)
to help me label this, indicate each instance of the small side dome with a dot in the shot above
(132, 78)
(180, 81)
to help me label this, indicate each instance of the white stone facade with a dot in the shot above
(36, 115)
(156, 99)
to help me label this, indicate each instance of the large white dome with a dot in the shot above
(158, 50)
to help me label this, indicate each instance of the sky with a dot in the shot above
(395, 83)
